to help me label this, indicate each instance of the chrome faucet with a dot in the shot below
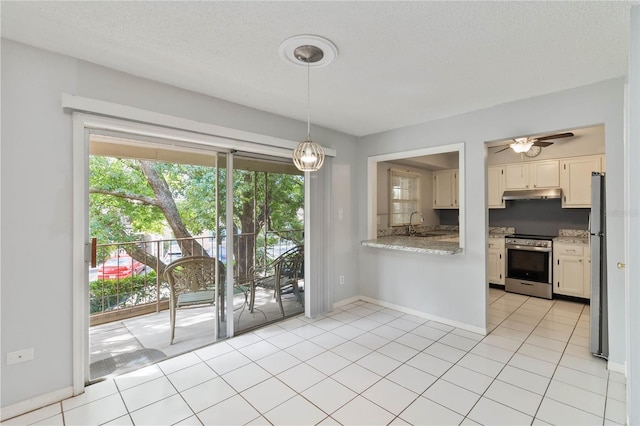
(410, 229)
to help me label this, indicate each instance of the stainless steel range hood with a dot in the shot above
(533, 194)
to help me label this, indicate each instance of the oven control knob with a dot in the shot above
(528, 243)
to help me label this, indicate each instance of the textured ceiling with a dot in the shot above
(399, 63)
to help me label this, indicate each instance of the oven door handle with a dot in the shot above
(528, 248)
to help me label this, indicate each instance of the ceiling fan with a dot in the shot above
(531, 147)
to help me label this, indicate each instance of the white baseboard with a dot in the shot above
(346, 301)
(617, 367)
(457, 324)
(40, 401)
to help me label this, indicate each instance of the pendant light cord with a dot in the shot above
(308, 102)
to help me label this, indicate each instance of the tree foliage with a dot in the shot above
(133, 197)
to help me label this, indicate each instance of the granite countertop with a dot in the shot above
(433, 245)
(571, 240)
(501, 231)
(572, 236)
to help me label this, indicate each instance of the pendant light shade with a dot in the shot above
(308, 156)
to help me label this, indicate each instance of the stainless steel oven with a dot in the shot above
(529, 265)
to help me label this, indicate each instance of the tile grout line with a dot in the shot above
(505, 364)
(371, 351)
(558, 364)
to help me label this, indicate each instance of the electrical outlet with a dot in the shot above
(20, 356)
(341, 279)
(340, 213)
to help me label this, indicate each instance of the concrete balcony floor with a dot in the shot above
(124, 345)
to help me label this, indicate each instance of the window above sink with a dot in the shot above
(394, 179)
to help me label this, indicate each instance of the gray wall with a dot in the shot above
(539, 217)
(36, 204)
(454, 287)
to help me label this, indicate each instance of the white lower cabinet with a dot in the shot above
(572, 270)
(495, 261)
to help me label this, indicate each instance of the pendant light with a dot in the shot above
(308, 50)
(308, 155)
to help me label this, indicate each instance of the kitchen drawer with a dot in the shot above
(568, 250)
(496, 243)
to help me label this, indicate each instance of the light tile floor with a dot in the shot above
(365, 364)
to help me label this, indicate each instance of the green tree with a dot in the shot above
(129, 197)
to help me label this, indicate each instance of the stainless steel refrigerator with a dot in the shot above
(599, 330)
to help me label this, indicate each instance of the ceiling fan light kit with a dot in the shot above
(521, 145)
(531, 147)
(316, 51)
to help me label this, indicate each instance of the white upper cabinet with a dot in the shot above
(445, 189)
(534, 175)
(575, 179)
(496, 184)
(517, 176)
(545, 174)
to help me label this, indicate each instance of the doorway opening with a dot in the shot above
(152, 204)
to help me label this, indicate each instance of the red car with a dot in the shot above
(119, 267)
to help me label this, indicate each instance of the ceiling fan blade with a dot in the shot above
(556, 136)
(542, 144)
(503, 149)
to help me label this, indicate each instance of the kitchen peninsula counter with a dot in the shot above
(432, 245)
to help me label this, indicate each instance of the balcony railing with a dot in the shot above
(121, 287)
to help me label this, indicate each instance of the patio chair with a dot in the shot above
(192, 282)
(281, 275)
